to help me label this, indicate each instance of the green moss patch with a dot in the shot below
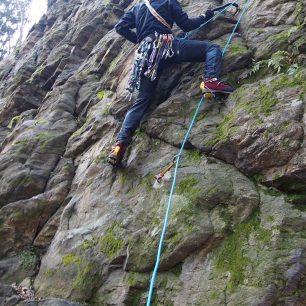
(101, 158)
(110, 244)
(14, 121)
(297, 199)
(70, 259)
(50, 272)
(194, 155)
(86, 276)
(231, 256)
(101, 94)
(187, 185)
(225, 128)
(88, 244)
(261, 106)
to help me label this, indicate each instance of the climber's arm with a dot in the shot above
(124, 26)
(182, 19)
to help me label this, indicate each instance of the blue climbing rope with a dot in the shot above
(180, 155)
(169, 204)
(245, 7)
(208, 21)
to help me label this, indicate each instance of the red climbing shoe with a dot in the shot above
(117, 153)
(213, 85)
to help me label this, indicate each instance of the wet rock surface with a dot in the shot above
(83, 233)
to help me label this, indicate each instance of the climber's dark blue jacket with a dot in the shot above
(139, 17)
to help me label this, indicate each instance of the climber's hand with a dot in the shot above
(208, 14)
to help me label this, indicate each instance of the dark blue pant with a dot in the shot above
(184, 51)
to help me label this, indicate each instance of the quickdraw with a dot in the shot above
(160, 176)
(161, 49)
(141, 58)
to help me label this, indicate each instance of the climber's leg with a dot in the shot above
(203, 51)
(132, 119)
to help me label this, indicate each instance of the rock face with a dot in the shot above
(87, 233)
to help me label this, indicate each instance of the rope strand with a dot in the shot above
(159, 252)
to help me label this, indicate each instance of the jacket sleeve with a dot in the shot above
(182, 19)
(124, 26)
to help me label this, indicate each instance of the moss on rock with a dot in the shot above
(14, 121)
(110, 245)
(70, 259)
(232, 257)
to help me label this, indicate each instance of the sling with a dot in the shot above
(156, 15)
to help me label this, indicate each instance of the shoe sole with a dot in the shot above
(113, 161)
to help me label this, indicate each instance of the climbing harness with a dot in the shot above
(160, 176)
(159, 251)
(161, 46)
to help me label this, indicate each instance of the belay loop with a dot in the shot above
(161, 46)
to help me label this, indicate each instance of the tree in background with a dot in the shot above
(13, 18)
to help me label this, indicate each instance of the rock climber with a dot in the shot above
(157, 48)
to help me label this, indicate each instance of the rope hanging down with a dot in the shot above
(247, 4)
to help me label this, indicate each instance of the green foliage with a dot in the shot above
(28, 259)
(279, 61)
(13, 18)
(276, 62)
(292, 70)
